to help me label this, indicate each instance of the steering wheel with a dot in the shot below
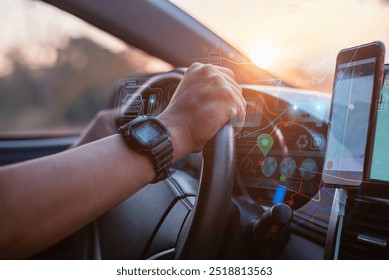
(203, 229)
(200, 231)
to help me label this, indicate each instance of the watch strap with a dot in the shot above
(161, 154)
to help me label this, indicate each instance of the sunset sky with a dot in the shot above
(295, 37)
(38, 29)
(280, 36)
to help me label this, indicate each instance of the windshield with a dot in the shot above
(296, 41)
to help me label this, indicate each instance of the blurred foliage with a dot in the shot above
(68, 93)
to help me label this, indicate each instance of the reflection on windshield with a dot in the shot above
(296, 41)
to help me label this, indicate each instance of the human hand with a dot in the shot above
(206, 99)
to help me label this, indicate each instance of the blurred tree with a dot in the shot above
(70, 92)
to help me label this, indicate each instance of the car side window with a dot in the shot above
(57, 71)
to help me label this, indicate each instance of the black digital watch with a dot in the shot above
(150, 136)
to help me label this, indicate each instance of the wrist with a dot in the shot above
(180, 140)
(151, 137)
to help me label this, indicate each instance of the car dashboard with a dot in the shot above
(279, 150)
(281, 146)
(289, 170)
(279, 159)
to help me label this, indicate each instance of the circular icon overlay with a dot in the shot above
(287, 167)
(308, 169)
(302, 141)
(269, 166)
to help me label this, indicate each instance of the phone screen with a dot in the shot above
(380, 158)
(349, 124)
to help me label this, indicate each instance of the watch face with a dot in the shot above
(148, 133)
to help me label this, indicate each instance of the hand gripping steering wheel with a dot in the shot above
(201, 234)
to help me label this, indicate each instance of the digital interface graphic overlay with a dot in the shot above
(264, 143)
(295, 119)
(281, 160)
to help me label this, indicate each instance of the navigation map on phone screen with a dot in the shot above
(379, 167)
(350, 117)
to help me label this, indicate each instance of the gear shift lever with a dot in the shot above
(271, 230)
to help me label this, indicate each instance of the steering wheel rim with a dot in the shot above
(203, 229)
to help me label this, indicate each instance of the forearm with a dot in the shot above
(45, 200)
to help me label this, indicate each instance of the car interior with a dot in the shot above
(253, 194)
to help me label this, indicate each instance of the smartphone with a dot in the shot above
(357, 83)
(378, 168)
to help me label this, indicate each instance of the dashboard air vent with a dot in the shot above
(365, 233)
